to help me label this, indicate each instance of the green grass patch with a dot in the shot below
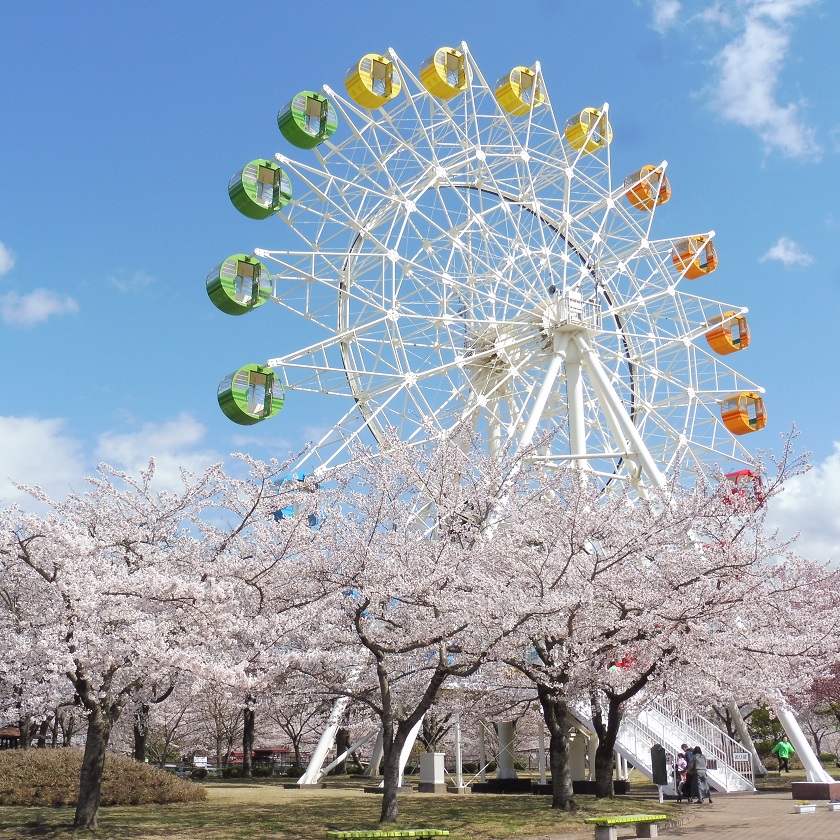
(263, 812)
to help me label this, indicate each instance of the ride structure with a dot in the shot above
(471, 261)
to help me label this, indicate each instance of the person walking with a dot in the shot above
(699, 782)
(686, 787)
(783, 751)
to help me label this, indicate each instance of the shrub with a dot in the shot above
(51, 777)
(198, 773)
(261, 772)
(827, 758)
(231, 772)
(294, 771)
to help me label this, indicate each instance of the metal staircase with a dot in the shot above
(671, 724)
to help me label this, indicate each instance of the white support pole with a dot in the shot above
(813, 768)
(560, 342)
(375, 757)
(607, 394)
(459, 769)
(543, 779)
(407, 748)
(574, 397)
(744, 734)
(349, 751)
(482, 753)
(312, 774)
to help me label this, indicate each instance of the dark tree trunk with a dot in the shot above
(54, 732)
(93, 765)
(141, 732)
(42, 734)
(391, 776)
(342, 742)
(247, 740)
(554, 712)
(296, 748)
(607, 734)
(24, 725)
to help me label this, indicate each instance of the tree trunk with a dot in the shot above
(43, 728)
(247, 740)
(93, 765)
(296, 748)
(607, 735)
(342, 742)
(25, 733)
(141, 732)
(554, 712)
(391, 778)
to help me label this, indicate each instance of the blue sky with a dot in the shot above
(122, 123)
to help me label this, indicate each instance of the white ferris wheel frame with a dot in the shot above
(470, 266)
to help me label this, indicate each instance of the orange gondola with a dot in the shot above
(647, 187)
(743, 413)
(694, 257)
(729, 333)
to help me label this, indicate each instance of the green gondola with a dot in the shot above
(260, 189)
(307, 120)
(239, 284)
(251, 394)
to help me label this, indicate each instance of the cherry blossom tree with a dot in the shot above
(417, 601)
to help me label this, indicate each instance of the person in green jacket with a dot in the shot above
(784, 750)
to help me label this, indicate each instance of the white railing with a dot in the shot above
(671, 724)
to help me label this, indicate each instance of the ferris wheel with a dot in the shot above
(472, 262)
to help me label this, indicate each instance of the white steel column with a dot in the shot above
(813, 768)
(312, 774)
(607, 395)
(537, 410)
(407, 748)
(459, 770)
(574, 397)
(744, 734)
(482, 753)
(375, 757)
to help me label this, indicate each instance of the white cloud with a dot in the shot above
(749, 68)
(810, 504)
(130, 283)
(7, 260)
(789, 253)
(37, 452)
(37, 306)
(665, 14)
(175, 445)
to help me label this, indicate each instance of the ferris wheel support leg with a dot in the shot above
(376, 757)
(313, 773)
(551, 374)
(813, 768)
(630, 433)
(574, 397)
(744, 734)
(407, 748)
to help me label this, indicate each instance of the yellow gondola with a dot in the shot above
(647, 187)
(695, 256)
(444, 74)
(729, 333)
(519, 91)
(373, 81)
(589, 130)
(743, 413)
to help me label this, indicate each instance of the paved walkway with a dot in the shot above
(758, 816)
(737, 816)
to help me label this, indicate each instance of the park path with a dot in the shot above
(757, 816)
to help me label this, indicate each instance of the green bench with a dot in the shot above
(373, 834)
(605, 827)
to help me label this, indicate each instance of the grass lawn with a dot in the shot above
(262, 810)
